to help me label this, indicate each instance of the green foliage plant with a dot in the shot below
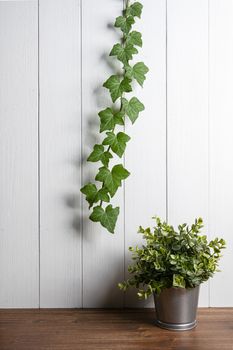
(172, 258)
(114, 143)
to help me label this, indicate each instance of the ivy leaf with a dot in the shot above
(102, 174)
(134, 38)
(132, 108)
(124, 23)
(110, 218)
(118, 118)
(93, 195)
(112, 179)
(105, 158)
(103, 195)
(90, 191)
(99, 154)
(117, 86)
(135, 10)
(117, 142)
(109, 119)
(124, 54)
(138, 72)
(107, 217)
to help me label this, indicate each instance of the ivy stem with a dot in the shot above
(122, 95)
(109, 147)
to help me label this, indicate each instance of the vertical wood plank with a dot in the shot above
(187, 101)
(145, 189)
(103, 253)
(60, 141)
(221, 143)
(18, 154)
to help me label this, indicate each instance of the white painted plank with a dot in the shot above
(221, 144)
(187, 102)
(18, 1)
(145, 189)
(60, 140)
(103, 253)
(18, 154)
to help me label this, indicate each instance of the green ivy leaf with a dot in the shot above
(108, 119)
(93, 195)
(119, 118)
(112, 179)
(102, 174)
(132, 108)
(134, 38)
(90, 191)
(124, 23)
(117, 142)
(103, 195)
(134, 10)
(107, 217)
(124, 54)
(99, 154)
(138, 72)
(117, 86)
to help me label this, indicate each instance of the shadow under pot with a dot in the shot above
(176, 308)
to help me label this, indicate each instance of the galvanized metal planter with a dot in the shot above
(176, 308)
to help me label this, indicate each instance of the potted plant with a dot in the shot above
(171, 266)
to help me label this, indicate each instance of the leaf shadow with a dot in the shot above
(90, 135)
(75, 202)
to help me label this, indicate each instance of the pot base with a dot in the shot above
(176, 326)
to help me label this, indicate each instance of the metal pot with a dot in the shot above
(176, 308)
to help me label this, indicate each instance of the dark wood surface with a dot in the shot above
(76, 329)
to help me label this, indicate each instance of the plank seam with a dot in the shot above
(81, 139)
(166, 127)
(38, 145)
(124, 214)
(208, 136)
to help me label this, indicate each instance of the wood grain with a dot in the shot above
(110, 330)
(19, 155)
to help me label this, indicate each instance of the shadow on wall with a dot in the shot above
(76, 203)
(91, 136)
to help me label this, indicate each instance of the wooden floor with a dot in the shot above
(110, 329)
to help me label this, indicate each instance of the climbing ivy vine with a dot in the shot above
(114, 142)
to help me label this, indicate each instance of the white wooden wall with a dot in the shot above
(53, 61)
